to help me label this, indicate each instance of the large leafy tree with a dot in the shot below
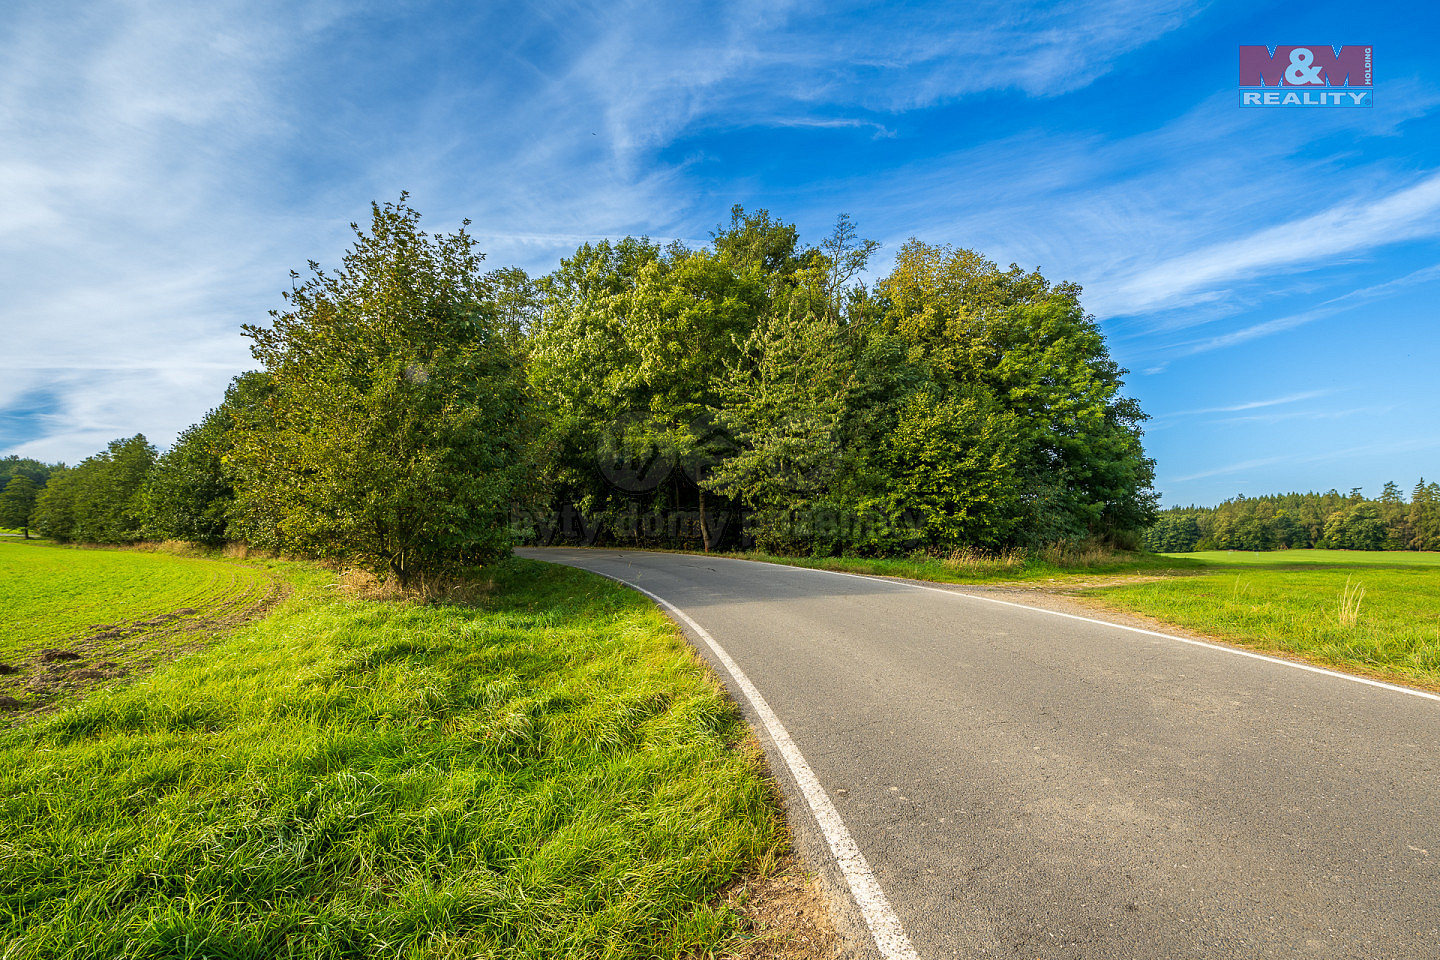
(955, 404)
(1030, 346)
(21, 480)
(629, 358)
(392, 430)
(1423, 518)
(579, 357)
(15, 466)
(785, 401)
(790, 397)
(953, 461)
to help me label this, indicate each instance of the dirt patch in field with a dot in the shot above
(108, 652)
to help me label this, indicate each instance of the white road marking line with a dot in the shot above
(1395, 688)
(879, 916)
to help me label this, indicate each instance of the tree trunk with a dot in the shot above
(704, 527)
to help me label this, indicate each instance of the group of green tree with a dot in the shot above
(955, 404)
(415, 413)
(1304, 520)
(99, 500)
(21, 480)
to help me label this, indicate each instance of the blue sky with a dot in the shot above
(1269, 276)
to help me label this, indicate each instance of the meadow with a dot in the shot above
(548, 772)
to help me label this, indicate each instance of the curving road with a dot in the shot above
(1017, 783)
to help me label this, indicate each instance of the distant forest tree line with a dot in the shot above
(416, 414)
(1293, 521)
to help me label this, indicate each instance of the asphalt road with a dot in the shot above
(1021, 784)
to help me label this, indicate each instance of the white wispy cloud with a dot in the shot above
(1327, 308)
(1374, 411)
(657, 69)
(1257, 404)
(879, 129)
(140, 221)
(1308, 242)
(1348, 453)
(1135, 217)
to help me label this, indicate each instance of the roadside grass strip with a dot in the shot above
(1375, 612)
(975, 567)
(1328, 558)
(550, 773)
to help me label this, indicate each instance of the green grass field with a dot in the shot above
(1309, 602)
(105, 614)
(550, 773)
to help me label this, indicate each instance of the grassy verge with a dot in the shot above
(1407, 559)
(1375, 612)
(973, 567)
(550, 773)
(72, 618)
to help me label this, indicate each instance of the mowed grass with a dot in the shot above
(1376, 612)
(110, 613)
(550, 773)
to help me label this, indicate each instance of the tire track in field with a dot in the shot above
(52, 677)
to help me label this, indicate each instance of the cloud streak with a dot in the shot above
(1362, 450)
(1328, 308)
(1305, 243)
(1257, 404)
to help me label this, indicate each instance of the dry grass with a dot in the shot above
(973, 562)
(243, 551)
(364, 585)
(1082, 554)
(785, 916)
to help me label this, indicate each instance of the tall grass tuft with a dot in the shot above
(1087, 553)
(1350, 598)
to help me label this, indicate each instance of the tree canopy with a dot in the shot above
(415, 414)
(1327, 520)
(955, 404)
